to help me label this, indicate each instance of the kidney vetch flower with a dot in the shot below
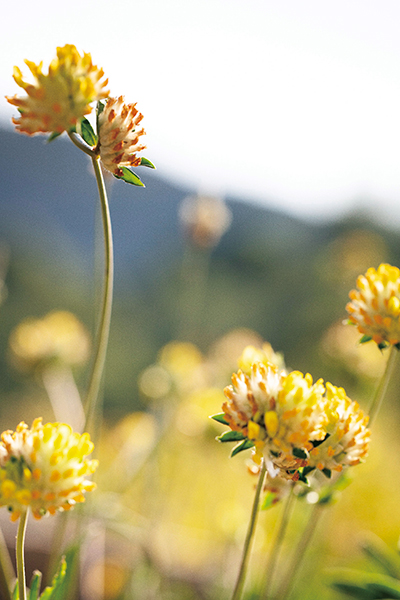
(292, 422)
(375, 305)
(44, 468)
(119, 135)
(56, 101)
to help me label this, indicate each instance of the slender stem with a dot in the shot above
(20, 555)
(7, 575)
(299, 552)
(382, 387)
(84, 147)
(237, 592)
(92, 395)
(276, 547)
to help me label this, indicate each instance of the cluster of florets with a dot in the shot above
(58, 100)
(293, 423)
(45, 468)
(375, 305)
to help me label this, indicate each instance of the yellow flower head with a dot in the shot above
(56, 101)
(265, 354)
(44, 468)
(347, 435)
(293, 422)
(58, 336)
(279, 412)
(375, 304)
(119, 135)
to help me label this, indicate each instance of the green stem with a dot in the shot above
(237, 592)
(382, 387)
(20, 555)
(7, 574)
(92, 395)
(276, 547)
(299, 552)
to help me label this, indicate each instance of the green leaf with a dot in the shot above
(130, 177)
(87, 132)
(327, 473)
(145, 162)
(382, 345)
(15, 595)
(231, 436)
(35, 586)
(220, 418)
(382, 555)
(317, 443)
(55, 591)
(245, 445)
(365, 585)
(365, 339)
(269, 501)
(299, 453)
(53, 136)
(99, 109)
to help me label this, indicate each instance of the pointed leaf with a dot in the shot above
(35, 586)
(245, 445)
(299, 453)
(54, 592)
(130, 177)
(382, 555)
(327, 473)
(99, 109)
(220, 418)
(231, 436)
(145, 162)
(87, 132)
(269, 501)
(364, 339)
(15, 595)
(366, 585)
(53, 136)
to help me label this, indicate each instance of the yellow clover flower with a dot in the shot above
(119, 135)
(280, 413)
(44, 468)
(56, 101)
(294, 423)
(347, 439)
(375, 304)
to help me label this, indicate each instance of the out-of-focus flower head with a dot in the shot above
(58, 336)
(56, 101)
(179, 369)
(375, 305)
(119, 135)
(265, 355)
(286, 417)
(205, 219)
(44, 468)
(340, 344)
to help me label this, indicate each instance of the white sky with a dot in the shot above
(295, 101)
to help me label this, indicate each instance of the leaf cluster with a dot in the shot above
(367, 585)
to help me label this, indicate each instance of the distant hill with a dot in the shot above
(271, 272)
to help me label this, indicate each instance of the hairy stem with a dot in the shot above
(299, 552)
(20, 555)
(276, 547)
(237, 592)
(383, 385)
(92, 396)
